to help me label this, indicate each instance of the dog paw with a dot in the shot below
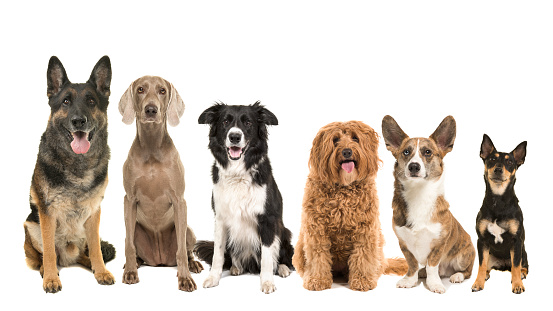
(104, 278)
(234, 271)
(437, 287)
(283, 271)
(268, 287)
(457, 278)
(187, 284)
(195, 266)
(315, 284)
(478, 285)
(361, 283)
(211, 281)
(130, 277)
(51, 285)
(518, 287)
(407, 282)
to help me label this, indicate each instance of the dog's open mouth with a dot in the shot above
(81, 141)
(235, 152)
(348, 165)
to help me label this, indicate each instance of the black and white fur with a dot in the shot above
(249, 232)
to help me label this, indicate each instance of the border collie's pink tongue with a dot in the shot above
(348, 166)
(235, 152)
(80, 143)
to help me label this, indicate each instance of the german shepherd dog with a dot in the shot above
(70, 178)
(499, 222)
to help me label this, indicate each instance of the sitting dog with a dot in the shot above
(429, 236)
(249, 232)
(157, 233)
(70, 178)
(499, 222)
(340, 229)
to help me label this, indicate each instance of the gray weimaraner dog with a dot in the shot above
(157, 233)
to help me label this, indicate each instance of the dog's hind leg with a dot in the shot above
(193, 265)
(32, 256)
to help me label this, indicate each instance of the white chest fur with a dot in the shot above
(496, 231)
(238, 201)
(420, 231)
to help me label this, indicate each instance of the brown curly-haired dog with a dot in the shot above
(340, 229)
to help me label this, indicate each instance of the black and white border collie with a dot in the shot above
(249, 232)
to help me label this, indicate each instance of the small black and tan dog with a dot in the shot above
(70, 178)
(499, 222)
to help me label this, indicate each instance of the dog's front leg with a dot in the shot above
(92, 228)
(516, 268)
(130, 274)
(186, 283)
(433, 280)
(50, 279)
(270, 248)
(411, 279)
(317, 275)
(365, 261)
(220, 242)
(483, 257)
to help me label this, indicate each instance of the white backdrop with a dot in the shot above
(487, 63)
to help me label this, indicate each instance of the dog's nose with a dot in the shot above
(498, 170)
(414, 167)
(347, 153)
(234, 138)
(78, 122)
(150, 110)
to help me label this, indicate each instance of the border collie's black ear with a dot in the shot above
(210, 115)
(56, 77)
(444, 135)
(265, 116)
(101, 76)
(393, 134)
(487, 147)
(520, 153)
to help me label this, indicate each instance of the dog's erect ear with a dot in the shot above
(393, 134)
(520, 153)
(264, 115)
(209, 116)
(56, 77)
(101, 76)
(487, 147)
(126, 105)
(175, 107)
(444, 135)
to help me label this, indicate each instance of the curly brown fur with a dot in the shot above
(340, 226)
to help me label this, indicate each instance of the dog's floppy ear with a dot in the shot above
(444, 135)
(175, 107)
(520, 153)
(101, 76)
(264, 115)
(487, 147)
(126, 105)
(56, 76)
(393, 134)
(209, 116)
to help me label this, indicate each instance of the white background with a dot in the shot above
(487, 63)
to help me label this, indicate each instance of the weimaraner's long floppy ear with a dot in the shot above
(175, 108)
(126, 106)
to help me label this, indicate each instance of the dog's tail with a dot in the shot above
(108, 251)
(204, 251)
(397, 266)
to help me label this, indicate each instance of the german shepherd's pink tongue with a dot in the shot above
(80, 143)
(348, 166)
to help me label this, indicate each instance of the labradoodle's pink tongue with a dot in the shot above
(80, 143)
(235, 152)
(348, 166)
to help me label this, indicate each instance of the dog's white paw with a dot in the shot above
(283, 271)
(436, 287)
(268, 287)
(211, 281)
(407, 282)
(457, 278)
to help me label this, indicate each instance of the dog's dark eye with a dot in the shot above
(492, 159)
(66, 102)
(335, 140)
(355, 139)
(91, 102)
(140, 90)
(225, 122)
(510, 162)
(248, 123)
(162, 91)
(406, 152)
(428, 152)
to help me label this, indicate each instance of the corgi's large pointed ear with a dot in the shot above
(487, 147)
(56, 77)
(520, 153)
(175, 108)
(393, 134)
(444, 135)
(211, 114)
(101, 76)
(126, 105)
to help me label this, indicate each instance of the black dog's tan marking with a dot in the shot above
(70, 178)
(499, 222)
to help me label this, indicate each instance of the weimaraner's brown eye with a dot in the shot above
(140, 90)
(162, 91)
